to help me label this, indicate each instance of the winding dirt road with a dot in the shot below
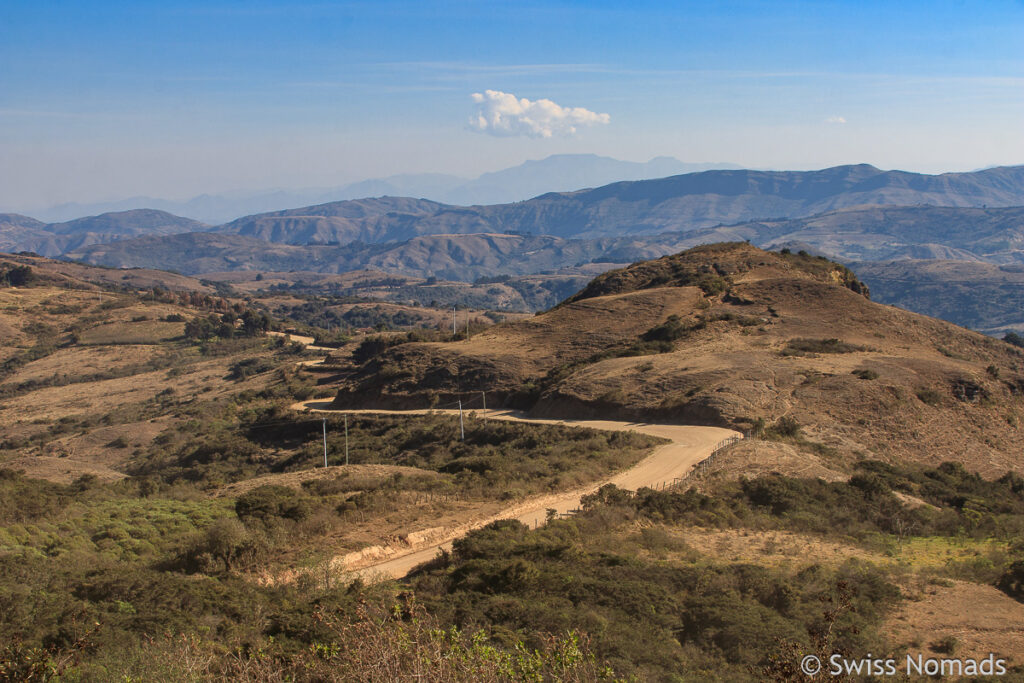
(689, 445)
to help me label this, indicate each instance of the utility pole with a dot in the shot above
(462, 430)
(325, 442)
(483, 397)
(346, 439)
(453, 321)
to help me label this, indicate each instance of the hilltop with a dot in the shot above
(731, 335)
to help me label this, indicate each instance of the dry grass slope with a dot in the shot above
(758, 337)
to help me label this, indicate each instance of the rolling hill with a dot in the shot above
(21, 233)
(731, 335)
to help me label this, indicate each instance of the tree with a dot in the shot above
(254, 324)
(1013, 338)
(17, 276)
(224, 539)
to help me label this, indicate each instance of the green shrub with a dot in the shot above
(786, 427)
(269, 504)
(249, 367)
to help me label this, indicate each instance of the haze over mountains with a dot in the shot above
(22, 233)
(854, 213)
(676, 203)
(559, 172)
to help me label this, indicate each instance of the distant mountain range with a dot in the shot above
(559, 172)
(21, 233)
(858, 214)
(941, 217)
(673, 204)
(765, 207)
(993, 236)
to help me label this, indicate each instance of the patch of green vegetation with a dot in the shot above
(626, 595)
(647, 618)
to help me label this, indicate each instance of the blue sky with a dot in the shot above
(101, 100)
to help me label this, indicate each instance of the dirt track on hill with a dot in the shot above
(689, 445)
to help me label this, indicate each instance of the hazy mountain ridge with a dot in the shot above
(529, 179)
(864, 234)
(129, 223)
(22, 233)
(674, 204)
(677, 203)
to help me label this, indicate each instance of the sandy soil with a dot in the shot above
(307, 341)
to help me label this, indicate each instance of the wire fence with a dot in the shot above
(702, 467)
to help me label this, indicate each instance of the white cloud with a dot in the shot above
(835, 119)
(505, 115)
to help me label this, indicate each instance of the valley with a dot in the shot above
(511, 342)
(186, 459)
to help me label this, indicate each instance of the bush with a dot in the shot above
(785, 427)
(249, 367)
(670, 330)
(16, 276)
(268, 505)
(946, 645)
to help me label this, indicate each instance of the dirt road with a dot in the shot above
(689, 445)
(305, 341)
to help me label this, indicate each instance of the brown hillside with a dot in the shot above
(759, 336)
